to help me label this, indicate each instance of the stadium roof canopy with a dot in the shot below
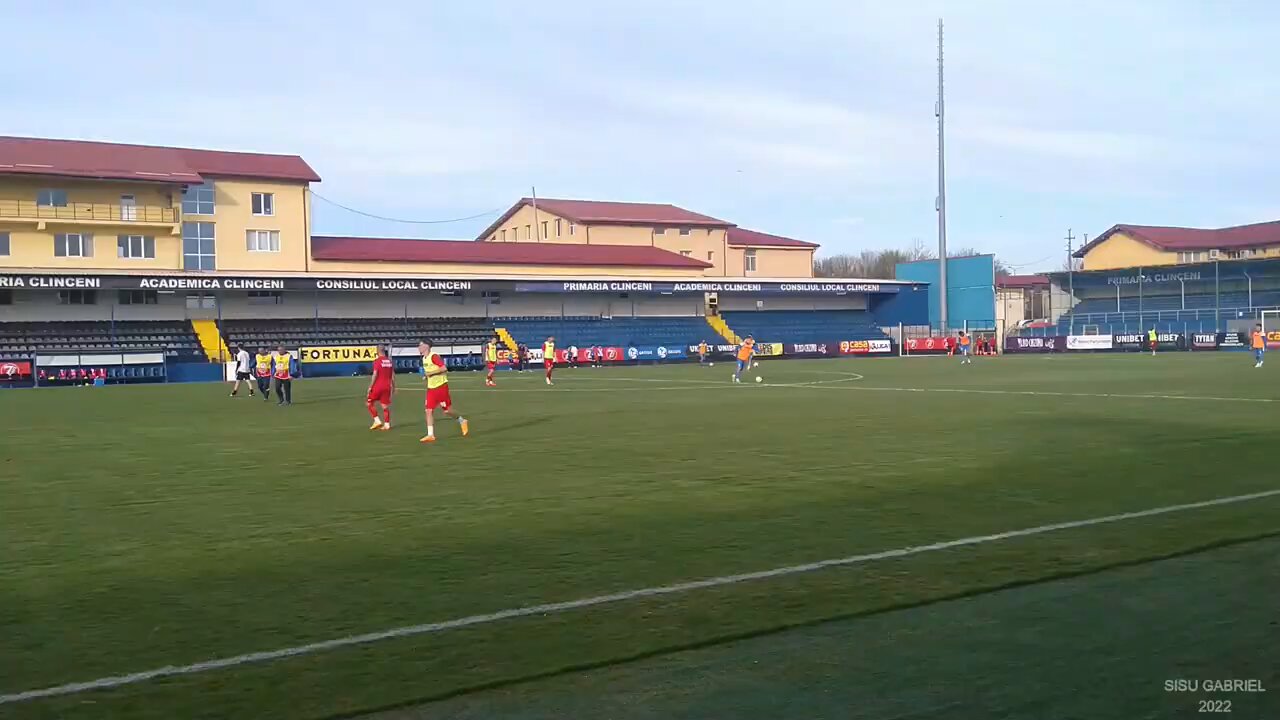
(358, 249)
(142, 163)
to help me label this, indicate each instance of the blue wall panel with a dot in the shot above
(971, 293)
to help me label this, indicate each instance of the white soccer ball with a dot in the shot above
(755, 364)
(759, 379)
(711, 364)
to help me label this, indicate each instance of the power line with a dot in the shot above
(401, 220)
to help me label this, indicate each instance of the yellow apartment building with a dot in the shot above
(71, 205)
(729, 250)
(1129, 246)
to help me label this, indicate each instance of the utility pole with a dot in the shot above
(537, 226)
(940, 111)
(1071, 279)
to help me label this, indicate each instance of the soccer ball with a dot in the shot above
(755, 364)
(759, 379)
(711, 364)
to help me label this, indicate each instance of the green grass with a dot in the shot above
(143, 527)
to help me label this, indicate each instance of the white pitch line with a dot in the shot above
(559, 607)
(1048, 393)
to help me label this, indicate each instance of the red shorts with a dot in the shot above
(439, 398)
(549, 364)
(380, 394)
(489, 366)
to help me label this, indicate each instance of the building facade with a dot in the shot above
(1134, 246)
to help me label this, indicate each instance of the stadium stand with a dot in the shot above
(363, 331)
(609, 332)
(21, 340)
(787, 326)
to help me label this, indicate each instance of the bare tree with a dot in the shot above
(882, 264)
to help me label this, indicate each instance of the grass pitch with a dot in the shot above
(153, 526)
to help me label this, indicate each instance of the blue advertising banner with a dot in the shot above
(676, 288)
(656, 353)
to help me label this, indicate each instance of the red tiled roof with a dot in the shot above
(144, 163)
(1022, 281)
(598, 212)
(1177, 238)
(744, 237)
(457, 251)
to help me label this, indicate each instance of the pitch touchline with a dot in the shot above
(559, 607)
(1050, 393)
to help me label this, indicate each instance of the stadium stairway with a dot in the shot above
(215, 348)
(722, 329)
(505, 336)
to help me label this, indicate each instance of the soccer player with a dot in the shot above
(490, 361)
(965, 342)
(549, 357)
(242, 371)
(745, 353)
(702, 352)
(598, 356)
(283, 362)
(1151, 340)
(1259, 343)
(262, 369)
(437, 391)
(381, 388)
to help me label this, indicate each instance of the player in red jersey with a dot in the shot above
(381, 388)
(437, 391)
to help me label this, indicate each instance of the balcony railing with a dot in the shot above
(93, 212)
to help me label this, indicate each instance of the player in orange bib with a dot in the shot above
(437, 391)
(381, 388)
(965, 343)
(745, 353)
(1258, 341)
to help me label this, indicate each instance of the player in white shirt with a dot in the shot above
(244, 371)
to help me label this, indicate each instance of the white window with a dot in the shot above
(73, 245)
(263, 240)
(544, 229)
(684, 231)
(197, 246)
(77, 297)
(711, 256)
(266, 297)
(528, 232)
(138, 297)
(557, 227)
(264, 204)
(749, 260)
(687, 253)
(201, 302)
(4, 244)
(51, 198)
(198, 200)
(1213, 254)
(659, 231)
(570, 228)
(136, 247)
(503, 233)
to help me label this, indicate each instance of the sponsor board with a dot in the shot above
(768, 349)
(1233, 341)
(1204, 341)
(1089, 342)
(929, 345)
(1141, 341)
(1273, 340)
(360, 353)
(1056, 343)
(865, 347)
(14, 368)
(810, 348)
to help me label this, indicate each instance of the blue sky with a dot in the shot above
(807, 119)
